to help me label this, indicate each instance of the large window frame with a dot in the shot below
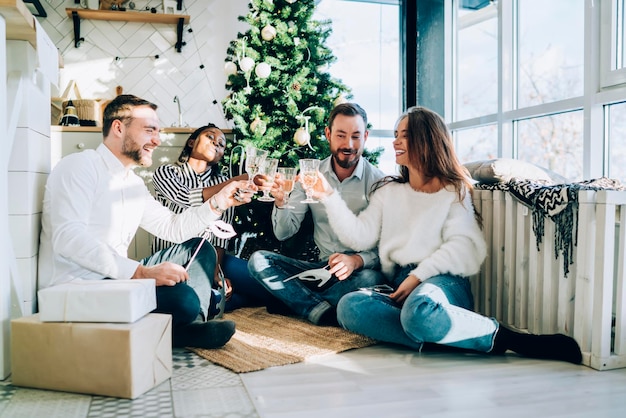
(613, 43)
(601, 87)
(379, 136)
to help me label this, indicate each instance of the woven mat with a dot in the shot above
(264, 340)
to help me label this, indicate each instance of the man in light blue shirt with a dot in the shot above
(352, 176)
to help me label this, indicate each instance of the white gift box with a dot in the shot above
(97, 301)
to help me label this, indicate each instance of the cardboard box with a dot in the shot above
(121, 360)
(97, 301)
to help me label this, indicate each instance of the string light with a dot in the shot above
(156, 57)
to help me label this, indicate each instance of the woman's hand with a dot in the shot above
(404, 290)
(235, 193)
(228, 292)
(322, 188)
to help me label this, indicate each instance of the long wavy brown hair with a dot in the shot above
(431, 150)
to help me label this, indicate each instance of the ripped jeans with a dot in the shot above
(439, 310)
(271, 269)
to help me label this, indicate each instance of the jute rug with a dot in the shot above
(264, 340)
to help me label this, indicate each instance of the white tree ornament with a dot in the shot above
(263, 70)
(246, 64)
(230, 68)
(302, 136)
(258, 126)
(268, 33)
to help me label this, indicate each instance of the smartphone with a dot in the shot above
(380, 288)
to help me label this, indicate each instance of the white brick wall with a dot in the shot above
(97, 73)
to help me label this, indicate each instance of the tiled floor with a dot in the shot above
(197, 388)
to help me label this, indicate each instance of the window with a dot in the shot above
(365, 41)
(518, 83)
(550, 64)
(617, 142)
(477, 63)
(479, 143)
(613, 43)
(554, 142)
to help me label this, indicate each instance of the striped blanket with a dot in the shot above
(559, 202)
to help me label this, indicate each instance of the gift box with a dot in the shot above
(121, 360)
(97, 301)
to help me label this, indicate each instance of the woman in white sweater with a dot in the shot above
(430, 240)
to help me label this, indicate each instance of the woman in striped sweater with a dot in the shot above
(192, 180)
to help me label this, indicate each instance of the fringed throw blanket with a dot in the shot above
(559, 202)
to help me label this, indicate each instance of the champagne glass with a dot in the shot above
(308, 176)
(254, 158)
(288, 175)
(268, 169)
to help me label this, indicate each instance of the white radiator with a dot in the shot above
(526, 287)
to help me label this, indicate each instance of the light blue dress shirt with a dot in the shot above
(354, 190)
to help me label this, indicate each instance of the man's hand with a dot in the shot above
(165, 274)
(406, 287)
(234, 194)
(342, 265)
(228, 292)
(277, 190)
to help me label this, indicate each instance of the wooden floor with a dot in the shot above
(382, 381)
(378, 381)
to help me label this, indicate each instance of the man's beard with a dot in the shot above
(131, 150)
(348, 161)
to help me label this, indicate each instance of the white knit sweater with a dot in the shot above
(433, 230)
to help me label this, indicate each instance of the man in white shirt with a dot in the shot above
(93, 205)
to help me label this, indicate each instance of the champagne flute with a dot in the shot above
(288, 175)
(308, 177)
(254, 158)
(268, 169)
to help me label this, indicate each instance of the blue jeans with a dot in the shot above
(440, 311)
(271, 269)
(186, 300)
(246, 290)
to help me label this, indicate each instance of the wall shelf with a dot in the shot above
(128, 16)
(20, 23)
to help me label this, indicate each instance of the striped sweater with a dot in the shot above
(178, 187)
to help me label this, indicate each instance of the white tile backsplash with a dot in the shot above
(214, 24)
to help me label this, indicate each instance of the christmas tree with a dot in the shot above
(281, 91)
(281, 96)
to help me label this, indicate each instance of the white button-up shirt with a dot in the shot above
(92, 208)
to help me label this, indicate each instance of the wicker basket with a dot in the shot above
(87, 110)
